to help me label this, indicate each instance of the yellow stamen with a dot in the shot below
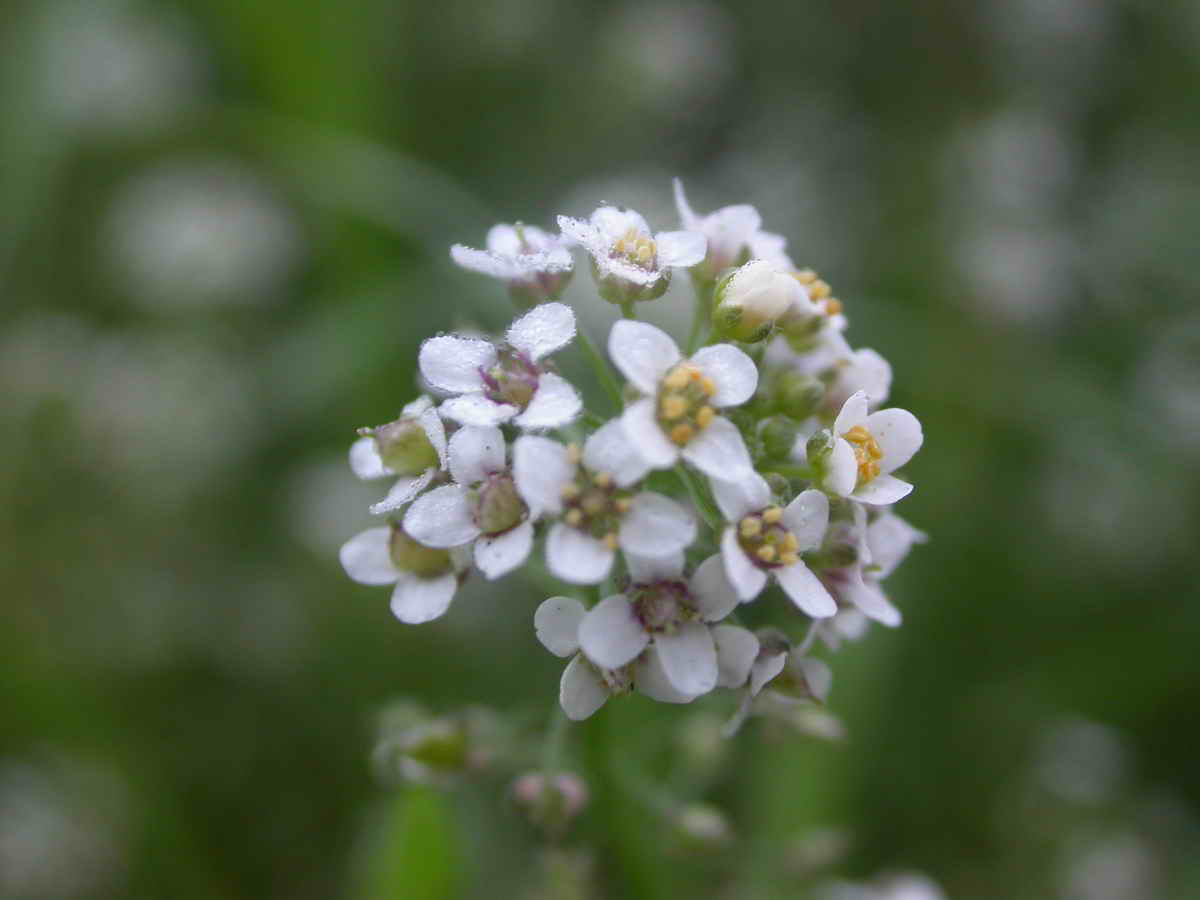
(673, 406)
(610, 540)
(805, 276)
(708, 386)
(681, 434)
(570, 490)
(677, 378)
(573, 517)
(602, 479)
(819, 290)
(623, 504)
(766, 554)
(789, 559)
(772, 514)
(750, 526)
(705, 415)
(833, 306)
(790, 543)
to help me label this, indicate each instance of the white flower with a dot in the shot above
(663, 609)
(763, 540)
(412, 448)
(850, 624)
(732, 233)
(482, 507)
(425, 577)
(590, 490)
(629, 262)
(751, 299)
(536, 265)
(497, 384)
(784, 669)
(877, 548)
(676, 415)
(864, 449)
(584, 686)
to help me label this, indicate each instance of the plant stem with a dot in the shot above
(699, 500)
(552, 746)
(699, 318)
(627, 310)
(600, 366)
(788, 471)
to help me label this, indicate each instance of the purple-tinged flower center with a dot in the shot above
(766, 540)
(498, 506)
(512, 379)
(661, 604)
(593, 502)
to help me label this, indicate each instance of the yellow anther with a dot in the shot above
(677, 378)
(790, 543)
(708, 386)
(819, 290)
(574, 453)
(766, 554)
(750, 526)
(573, 517)
(570, 490)
(705, 415)
(833, 306)
(645, 251)
(867, 452)
(673, 406)
(789, 559)
(771, 537)
(858, 434)
(602, 479)
(681, 434)
(874, 450)
(610, 540)
(623, 504)
(805, 276)
(619, 246)
(772, 514)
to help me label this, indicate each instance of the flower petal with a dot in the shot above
(806, 590)
(816, 676)
(575, 557)
(899, 436)
(807, 517)
(719, 452)
(365, 461)
(843, 469)
(890, 539)
(689, 658)
(883, 490)
(476, 453)
(646, 436)
(765, 668)
(367, 557)
(417, 600)
(430, 421)
(615, 221)
(477, 410)
(610, 450)
(647, 569)
(714, 595)
(585, 234)
(656, 526)
(581, 691)
(499, 555)
(554, 404)
(556, 623)
(415, 408)
(872, 602)
(681, 248)
(737, 499)
(737, 649)
(650, 679)
(747, 579)
(852, 413)
(733, 372)
(451, 363)
(642, 352)
(442, 518)
(611, 634)
(687, 217)
(404, 490)
(541, 469)
(483, 262)
(543, 330)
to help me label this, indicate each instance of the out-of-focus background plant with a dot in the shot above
(223, 232)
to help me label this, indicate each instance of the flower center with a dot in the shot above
(498, 506)
(404, 447)
(684, 403)
(661, 605)
(593, 502)
(866, 452)
(512, 379)
(766, 540)
(637, 248)
(410, 556)
(820, 291)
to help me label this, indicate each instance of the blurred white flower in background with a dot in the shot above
(902, 886)
(1167, 385)
(1019, 275)
(1081, 761)
(1121, 867)
(201, 232)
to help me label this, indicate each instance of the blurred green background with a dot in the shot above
(223, 234)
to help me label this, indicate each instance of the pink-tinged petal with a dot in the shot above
(872, 602)
(650, 679)
(882, 490)
(367, 557)
(765, 668)
(581, 691)
(442, 518)
(898, 434)
(611, 634)
(642, 352)
(557, 624)
(687, 217)
(681, 248)
(499, 555)
(715, 597)
(737, 499)
(747, 579)
(689, 658)
(476, 453)
(554, 404)
(543, 330)
(805, 590)
(452, 363)
(477, 410)
(430, 421)
(853, 413)
(842, 473)
(646, 435)
(807, 517)
(732, 371)
(656, 526)
(365, 461)
(575, 557)
(719, 452)
(418, 600)
(541, 469)
(610, 450)
(402, 492)
(648, 569)
(737, 649)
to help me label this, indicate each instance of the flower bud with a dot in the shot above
(778, 435)
(411, 556)
(498, 506)
(550, 802)
(404, 447)
(749, 301)
(623, 291)
(702, 828)
(540, 287)
(819, 447)
(796, 395)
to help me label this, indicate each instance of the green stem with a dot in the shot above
(791, 471)
(699, 500)
(627, 310)
(600, 366)
(699, 319)
(552, 747)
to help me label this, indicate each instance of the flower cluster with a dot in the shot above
(755, 457)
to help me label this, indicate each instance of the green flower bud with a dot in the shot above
(498, 505)
(702, 828)
(778, 436)
(410, 556)
(818, 448)
(439, 745)
(622, 291)
(781, 487)
(750, 300)
(404, 447)
(796, 395)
